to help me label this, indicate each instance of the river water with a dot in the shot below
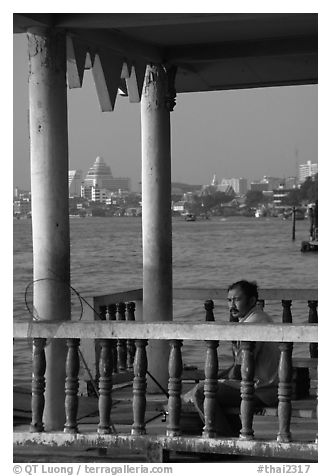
(106, 257)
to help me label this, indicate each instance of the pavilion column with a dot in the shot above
(49, 190)
(156, 216)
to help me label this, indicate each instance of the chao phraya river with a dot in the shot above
(106, 256)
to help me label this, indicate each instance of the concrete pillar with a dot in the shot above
(50, 214)
(156, 217)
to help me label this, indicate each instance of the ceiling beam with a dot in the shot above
(269, 47)
(135, 20)
(119, 44)
(23, 21)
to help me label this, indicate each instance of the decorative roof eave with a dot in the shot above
(118, 59)
(111, 72)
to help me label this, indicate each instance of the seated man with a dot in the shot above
(242, 302)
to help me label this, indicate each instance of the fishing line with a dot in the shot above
(29, 290)
(81, 300)
(158, 384)
(36, 317)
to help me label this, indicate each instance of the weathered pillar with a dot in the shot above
(49, 189)
(156, 215)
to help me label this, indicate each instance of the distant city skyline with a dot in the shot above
(246, 133)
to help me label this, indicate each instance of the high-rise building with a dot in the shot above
(239, 185)
(307, 170)
(75, 178)
(120, 183)
(99, 175)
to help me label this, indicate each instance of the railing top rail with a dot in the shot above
(168, 330)
(271, 294)
(125, 296)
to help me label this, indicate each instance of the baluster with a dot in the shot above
(105, 386)
(112, 317)
(107, 314)
(102, 312)
(247, 390)
(121, 343)
(174, 387)
(102, 316)
(285, 392)
(38, 384)
(209, 306)
(210, 389)
(234, 342)
(131, 349)
(139, 388)
(112, 312)
(316, 440)
(287, 314)
(313, 318)
(71, 386)
(260, 303)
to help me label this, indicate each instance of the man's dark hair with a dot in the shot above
(248, 288)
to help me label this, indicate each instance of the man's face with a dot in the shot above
(239, 304)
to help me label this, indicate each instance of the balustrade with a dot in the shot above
(131, 354)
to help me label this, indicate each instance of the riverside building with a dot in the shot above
(99, 175)
(239, 185)
(75, 178)
(307, 170)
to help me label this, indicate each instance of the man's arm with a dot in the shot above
(232, 372)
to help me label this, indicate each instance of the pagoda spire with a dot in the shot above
(214, 181)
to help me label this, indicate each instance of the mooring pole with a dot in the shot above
(293, 223)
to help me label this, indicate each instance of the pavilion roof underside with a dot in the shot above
(211, 51)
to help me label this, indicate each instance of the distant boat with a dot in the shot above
(190, 217)
(260, 212)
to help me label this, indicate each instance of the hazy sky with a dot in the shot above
(247, 133)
